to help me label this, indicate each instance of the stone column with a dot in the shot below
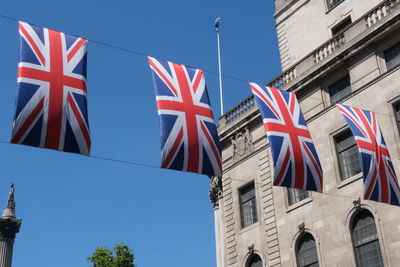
(215, 194)
(9, 226)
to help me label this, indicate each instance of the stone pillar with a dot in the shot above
(9, 226)
(215, 194)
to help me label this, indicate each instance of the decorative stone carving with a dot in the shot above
(357, 203)
(215, 192)
(301, 226)
(251, 249)
(242, 143)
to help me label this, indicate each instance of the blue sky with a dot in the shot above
(71, 204)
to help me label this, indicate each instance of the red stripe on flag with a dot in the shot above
(165, 79)
(211, 142)
(16, 138)
(173, 150)
(80, 120)
(32, 43)
(76, 48)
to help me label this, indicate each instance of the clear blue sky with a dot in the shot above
(71, 204)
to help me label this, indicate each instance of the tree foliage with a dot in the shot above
(120, 256)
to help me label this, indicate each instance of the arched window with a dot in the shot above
(306, 251)
(254, 261)
(365, 240)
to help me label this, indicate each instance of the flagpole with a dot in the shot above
(219, 64)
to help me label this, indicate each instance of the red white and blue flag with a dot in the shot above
(51, 103)
(296, 162)
(189, 136)
(380, 182)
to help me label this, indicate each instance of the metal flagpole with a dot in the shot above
(219, 64)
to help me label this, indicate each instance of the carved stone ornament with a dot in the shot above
(251, 249)
(215, 192)
(242, 143)
(301, 227)
(357, 203)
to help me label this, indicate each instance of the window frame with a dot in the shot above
(397, 114)
(342, 175)
(289, 192)
(340, 26)
(251, 257)
(332, 86)
(300, 240)
(255, 218)
(385, 52)
(330, 6)
(352, 226)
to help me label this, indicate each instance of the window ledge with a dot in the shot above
(248, 228)
(299, 204)
(350, 180)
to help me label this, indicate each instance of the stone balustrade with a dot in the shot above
(242, 108)
(380, 12)
(283, 79)
(329, 48)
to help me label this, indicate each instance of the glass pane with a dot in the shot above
(397, 110)
(296, 195)
(255, 261)
(345, 141)
(307, 252)
(247, 193)
(332, 3)
(348, 155)
(340, 89)
(392, 56)
(248, 205)
(341, 26)
(365, 241)
(349, 162)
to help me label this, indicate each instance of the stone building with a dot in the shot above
(332, 51)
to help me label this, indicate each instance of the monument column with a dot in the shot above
(9, 226)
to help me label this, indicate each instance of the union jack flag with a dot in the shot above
(51, 103)
(380, 182)
(188, 134)
(296, 163)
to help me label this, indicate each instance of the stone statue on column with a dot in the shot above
(9, 227)
(215, 191)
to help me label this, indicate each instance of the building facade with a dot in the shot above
(332, 51)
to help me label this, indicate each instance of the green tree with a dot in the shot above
(120, 256)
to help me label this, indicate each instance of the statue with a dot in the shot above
(215, 191)
(11, 201)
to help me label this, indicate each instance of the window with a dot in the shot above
(392, 56)
(341, 26)
(333, 3)
(296, 195)
(340, 89)
(365, 240)
(307, 252)
(397, 113)
(248, 207)
(254, 261)
(348, 156)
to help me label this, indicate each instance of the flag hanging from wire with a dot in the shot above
(51, 103)
(380, 181)
(189, 136)
(296, 163)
